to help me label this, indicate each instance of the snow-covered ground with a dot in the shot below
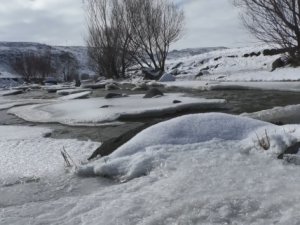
(195, 169)
(231, 65)
(235, 85)
(278, 114)
(26, 153)
(96, 111)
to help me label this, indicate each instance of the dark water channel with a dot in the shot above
(239, 101)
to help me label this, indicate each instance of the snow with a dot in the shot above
(10, 92)
(167, 78)
(136, 156)
(286, 114)
(91, 111)
(196, 169)
(71, 91)
(6, 103)
(81, 94)
(200, 169)
(219, 85)
(231, 65)
(26, 153)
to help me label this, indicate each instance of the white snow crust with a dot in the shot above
(281, 114)
(195, 169)
(89, 111)
(26, 153)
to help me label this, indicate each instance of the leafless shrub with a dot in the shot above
(274, 21)
(33, 67)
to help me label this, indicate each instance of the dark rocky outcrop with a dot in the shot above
(150, 74)
(176, 101)
(293, 149)
(232, 56)
(252, 54)
(274, 51)
(177, 66)
(153, 92)
(112, 144)
(201, 73)
(278, 63)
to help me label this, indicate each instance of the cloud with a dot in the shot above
(56, 22)
(212, 23)
(62, 22)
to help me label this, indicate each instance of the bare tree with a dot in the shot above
(274, 21)
(123, 32)
(108, 38)
(33, 67)
(154, 25)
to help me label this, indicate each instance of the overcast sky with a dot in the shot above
(62, 22)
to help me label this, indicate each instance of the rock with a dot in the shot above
(111, 86)
(114, 95)
(77, 83)
(206, 68)
(176, 101)
(271, 52)
(47, 135)
(150, 74)
(174, 72)
(112, 144)
(167, 77)
(153, 92)
(293, 149)
(104, 106)
(293, 159)
(177, 65)
(278, 63)
(232, 56)
(202, 73)
(218, 58)
(255, 54)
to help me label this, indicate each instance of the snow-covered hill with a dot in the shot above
(235, 64)
(175, 54)
(219, 63)
(10, 51)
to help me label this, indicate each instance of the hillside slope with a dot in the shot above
(10, 51)
(235, 64)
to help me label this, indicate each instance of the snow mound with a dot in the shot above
(147, 149)
(284, 114)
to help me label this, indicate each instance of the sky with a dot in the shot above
(208, 23)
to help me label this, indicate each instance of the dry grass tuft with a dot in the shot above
(264, 142)
(69, 162)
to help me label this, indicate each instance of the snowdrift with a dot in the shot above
(185, 134)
